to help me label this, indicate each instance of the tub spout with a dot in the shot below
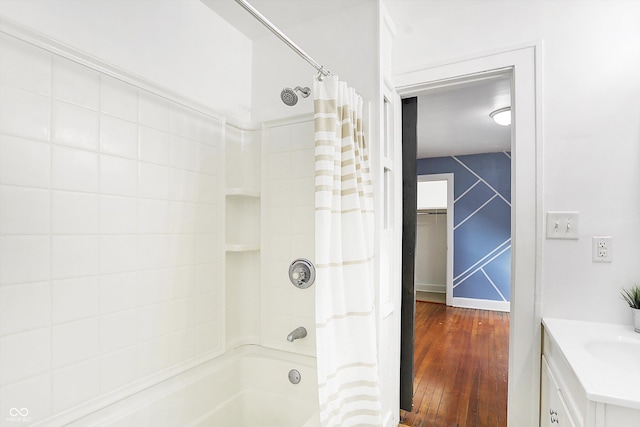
(297, 333)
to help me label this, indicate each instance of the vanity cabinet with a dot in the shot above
(566, 369)
(553, 408)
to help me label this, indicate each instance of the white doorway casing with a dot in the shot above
(526, 215)
(448, 178)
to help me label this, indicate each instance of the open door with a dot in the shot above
(409, 215)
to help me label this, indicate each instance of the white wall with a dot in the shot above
(591, 125)
(181, 45)
(431, 252)
(109, 235)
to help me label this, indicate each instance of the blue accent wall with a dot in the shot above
(482, 222)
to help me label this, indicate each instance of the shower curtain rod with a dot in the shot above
(322, 72)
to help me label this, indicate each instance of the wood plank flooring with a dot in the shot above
(461, 365)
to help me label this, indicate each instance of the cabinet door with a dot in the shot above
(553, 412)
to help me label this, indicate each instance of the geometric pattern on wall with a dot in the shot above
(482, 222)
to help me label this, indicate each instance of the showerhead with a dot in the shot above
(289, 96)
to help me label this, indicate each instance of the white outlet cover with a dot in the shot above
(602, 248)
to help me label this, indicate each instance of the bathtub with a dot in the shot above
(246, 387)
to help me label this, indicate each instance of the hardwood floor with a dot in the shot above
(461, 365)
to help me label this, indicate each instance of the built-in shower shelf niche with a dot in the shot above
(242, 220)
(242, 192)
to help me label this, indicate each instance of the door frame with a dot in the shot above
(448, 177)
(527, 220)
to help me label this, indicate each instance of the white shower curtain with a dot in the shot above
(348, 383)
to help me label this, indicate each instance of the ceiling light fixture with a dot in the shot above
(502, 116)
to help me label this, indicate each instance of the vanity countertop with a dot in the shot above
(605, 358)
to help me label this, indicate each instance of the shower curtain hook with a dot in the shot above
(321, 73)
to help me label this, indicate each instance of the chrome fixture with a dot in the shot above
(264, 21)
(289, 96)
(297, 333)
(294, 376)
(302, 273)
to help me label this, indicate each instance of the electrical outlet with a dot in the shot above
(602, 247)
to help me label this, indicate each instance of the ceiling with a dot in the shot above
(281, 13)
(454, 120)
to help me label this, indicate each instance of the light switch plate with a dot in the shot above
(563, 225)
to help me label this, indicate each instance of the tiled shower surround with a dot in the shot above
(110, 234)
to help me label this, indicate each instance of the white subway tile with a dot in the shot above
(279, 166)
(153, 356)
(75, 213)
(118, 137)
(182, 345)
(153, 321)
(24, 259)
(208, 337)
(153, 181)
(118, 215)
(279, 139)
(118, 98)
(302, 164)
(33, 394)
(207, 307)
(304, 189)
(153, 216)
(25, 66)
(209, 132)
(206, 278)
(183, 122)
(75, 170)
(118, 368)
(75, 126)
(154, 286)
(181, 313)
(24, 355)
(24, 162)
(74, 299)
(183, 153)
(75, 341)
(183, 185)
(207, 188)
(153, 145)
(182, 217)
(118, 253)
(302, 135)
(75, 83)
(153, 251)
(181, 250)
(117, 330)
(207, 218)
(75, 384)
(24, 113)
(75, 256)
(302, 219)
(24, 210)
(183, 281)
(118, 292)
(25, 306)
(206, 248)
(154, 111)
(118, 176)
(208, 160)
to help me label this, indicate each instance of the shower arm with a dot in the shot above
(322, 72)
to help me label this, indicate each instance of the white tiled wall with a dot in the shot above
(288, 232)
(109, 233)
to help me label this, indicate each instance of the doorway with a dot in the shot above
(524, 341)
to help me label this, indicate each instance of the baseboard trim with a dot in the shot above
(431, 287)
(482, 304)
